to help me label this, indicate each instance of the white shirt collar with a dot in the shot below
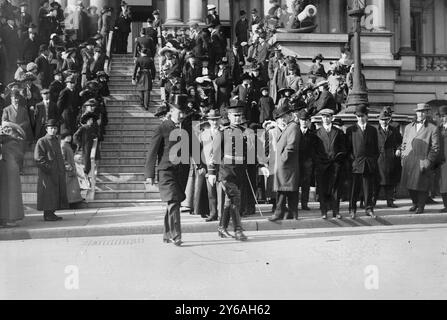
(327, 128)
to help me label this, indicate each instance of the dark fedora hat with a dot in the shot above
(283, 110)
(238, 107)
(318, 57)
(52, 123)
(384, 115)
(179, 101)
(88, 115)
(361, 110)
(91, 102)
(246, 76)
(443, 110)
(303, 114)
(265, 88)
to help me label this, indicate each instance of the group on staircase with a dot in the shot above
(58, 87)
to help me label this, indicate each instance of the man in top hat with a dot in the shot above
(389, 140)
(122, 28)
(308, 142)
(443, 156)
(420, 151)
(44, 69)
(242, 29)
(172, 171)
(287, 169)
(212, 18)
(255, 18)
(325, 99)
(51, 183)
(330, 154)
(245, 92)
(232, 159)
(362, 145)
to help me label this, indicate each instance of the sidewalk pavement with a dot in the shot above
(149, 220)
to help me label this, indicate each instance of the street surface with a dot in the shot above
(395, 262)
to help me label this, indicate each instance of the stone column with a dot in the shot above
(174, 12)
(407, 55)
(405, 26)
(195, 11)
(380, 24)
(334, 16)
(439, 34)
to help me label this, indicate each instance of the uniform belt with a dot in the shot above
(235, 158)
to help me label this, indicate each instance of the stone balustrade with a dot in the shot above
(432, 62)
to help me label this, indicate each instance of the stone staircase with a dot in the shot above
(29, 180)
(120, 179)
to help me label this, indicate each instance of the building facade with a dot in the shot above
(404, 42)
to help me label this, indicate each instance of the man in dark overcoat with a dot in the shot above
(242, 29)
(122, 28)
(51, 184)
(362, 146)
(287, 170)
(420, 152)
(67, 105)
(143, 75)
(145, 41)
(246, 93)
(308, 141)
(389, 140)
(330, 154)
(172, 174)
(44, 69)
(44, 110)
(443, 156)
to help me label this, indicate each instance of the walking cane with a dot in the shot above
(253, 192)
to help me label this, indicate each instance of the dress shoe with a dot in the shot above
(443, 210)
(419, 211)
(209, 219)
(240, 236)
(305, 208)
(392, 205)
(223, 233)
(177, 242)
(371, 214)
(430, 201)
(324, 216)
(413, 209)
(52, 217)
(353, 215)
(338, 216)
(274, 218)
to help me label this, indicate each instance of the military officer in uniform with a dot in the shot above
(232, 155)
(172, 175)
(144, 74)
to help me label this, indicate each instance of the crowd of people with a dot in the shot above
(52, 87)
(213, 92)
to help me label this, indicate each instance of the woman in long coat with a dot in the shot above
(11, 153)
(223, 83)
(73, 188)
(51, 183)
(279, 79)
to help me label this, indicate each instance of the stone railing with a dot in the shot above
(432, 62)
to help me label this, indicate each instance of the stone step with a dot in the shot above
(122, 168)
(112, 161)
(29, 187)
(105, 177)
(30, 171)
(131, 109)
(126, 186)
(129, 86)
(121, 203)
(29, 197)
(136, 103)
(30, 179)
(120, 131)
(123, 154)
(130, 127)
(128, 81)
(129, 119)
(126, 195)
(128, 139)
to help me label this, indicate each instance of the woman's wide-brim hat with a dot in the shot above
(422, 107)
(13, 130)
(180, 102)
(318, 57)
(167, 49)
(89, 115)
(284, 90)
